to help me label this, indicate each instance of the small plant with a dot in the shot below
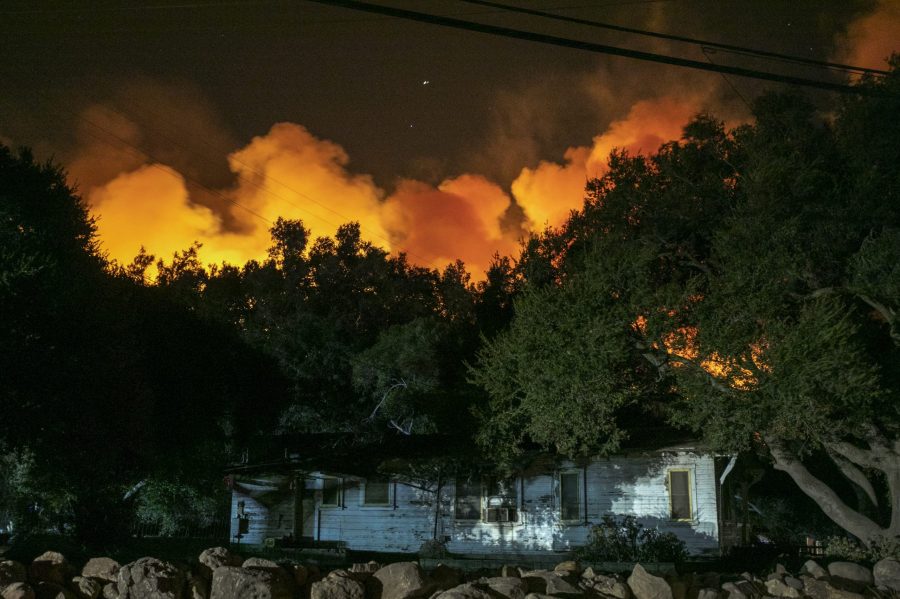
(628, 541)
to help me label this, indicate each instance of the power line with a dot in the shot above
(678, 38)
(589, 46)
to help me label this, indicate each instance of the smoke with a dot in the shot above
(549, 192)
(870, 39)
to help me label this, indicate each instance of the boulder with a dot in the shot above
(823, 589)
(366, 568)
(466, 591)
(567, 568)
(260, 563)
(734, 590)
(86, 588)
(50, 566)
(549, 583)
(403, 580)
(197, 587)
(299, 572)
(16, 590)
(509, 586)
(110, 591)
(610, 586)
(212, 558)
(777, 588)
(850, 576)
(813, 569)
(792, 582)
(336, 586)
(510, 571)
(101, 568)
(150, 578)
(231, 582)
(647, 586)
(49, 590)
(886, 573)
(708, 593)
(11, 572)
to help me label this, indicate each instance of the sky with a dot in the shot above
(205, 121)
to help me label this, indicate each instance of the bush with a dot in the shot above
(628, 541)
(847, 549)
(433, 549)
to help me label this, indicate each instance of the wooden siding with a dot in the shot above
(634, 485)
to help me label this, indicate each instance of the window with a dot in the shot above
(501, 500)
(570, 495)
(680, 494)
(331, 492)
(468, 500)
(377, 492)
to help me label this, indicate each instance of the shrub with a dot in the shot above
(628, 541)
(433, 548)
(848, 549)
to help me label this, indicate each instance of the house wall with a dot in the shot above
(634, 485)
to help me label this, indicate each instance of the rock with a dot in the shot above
(50, 566)
(403, 580)
(777, 588)
(781, 570)
(886, 573)
(49, 590)
(733, 591)
(794, 583)
(86, 588)
(545, 582)
(110, 591)
(231, 582)
(337, 587)
(16, 590)
(708, 593)
(823, 589)
(262, 564)
(197, 587)
(567, 568)
(813, 569)
(445, 577)
(466, 591)
(611, 586)
(150, 578)
(299, 572)
(212, 558)
(646, 586)
(850, 576)
(508, 586)
(510, 572)
(11, 572)
(101, 568)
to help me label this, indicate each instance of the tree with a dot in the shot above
(743, 284)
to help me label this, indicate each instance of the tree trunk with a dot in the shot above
(851, 520)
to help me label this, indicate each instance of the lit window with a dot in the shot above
(377, 492)
(570, 495)
(680, 494)
(331, 492)
(468, 500)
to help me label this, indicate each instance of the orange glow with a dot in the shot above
(871, 38)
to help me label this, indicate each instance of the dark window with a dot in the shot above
(501, 501)
(377, 492)
(680, 494)
(468, 500)
(570, 495)
(331, 491)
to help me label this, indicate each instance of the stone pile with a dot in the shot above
(221, 574)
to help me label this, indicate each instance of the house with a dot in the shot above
(546, 507)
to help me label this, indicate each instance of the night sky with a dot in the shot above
(207, 120)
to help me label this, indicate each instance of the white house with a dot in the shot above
(548, 507)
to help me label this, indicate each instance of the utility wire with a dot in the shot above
(678, 38)
(588, 46)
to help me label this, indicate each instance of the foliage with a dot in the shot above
(433, 549)
(847, 549)
(173, 507)
(627, 540)
(742, 284)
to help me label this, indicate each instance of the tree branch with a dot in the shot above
(842, 514)
(855, 475)
(857, 455)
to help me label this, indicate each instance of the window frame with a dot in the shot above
(515, 484)
(579, 484)
(456, 487)
(389, 502)
(690, 493)
(339, 498)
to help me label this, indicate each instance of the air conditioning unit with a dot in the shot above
(502, 514)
